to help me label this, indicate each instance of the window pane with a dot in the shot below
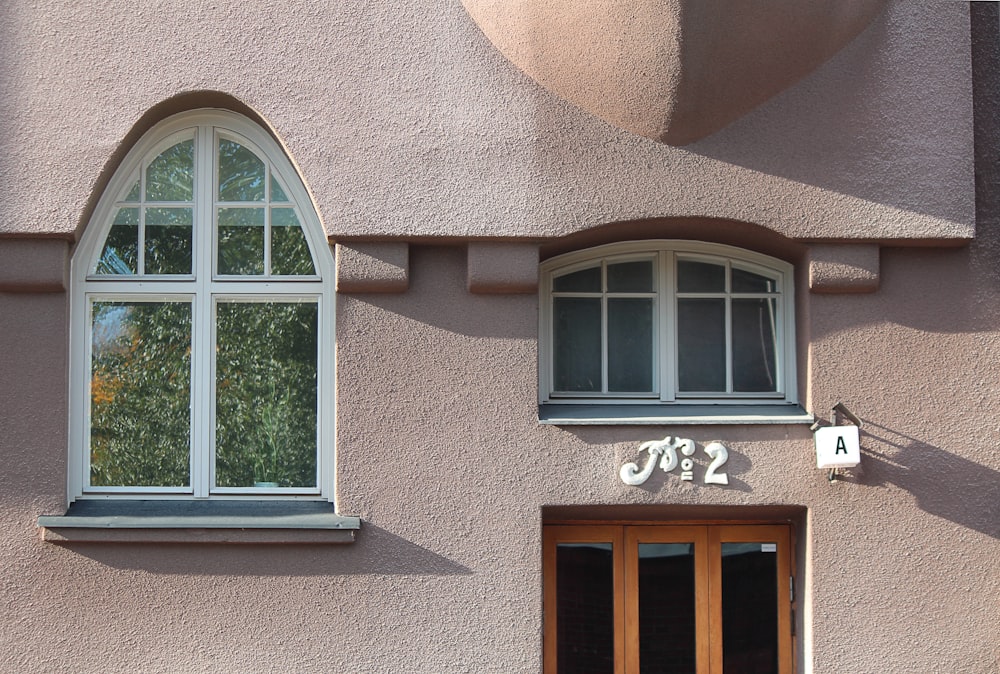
(755, 345)
(168, 240)
(630, 277)
(241, 173)
(748, 282)
(583, 281)
(265, 387)
(749, 608)
(701, 344)
(630, 344)
(170, 177)
(289, 250)
(700, 277)
(121, 249)
(277, 194)
(585, 608)
(667, 639)
(140, 394)
(133, 193)
(576, 327)
(241, 241)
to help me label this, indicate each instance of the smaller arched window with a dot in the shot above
(667, 322)
(202, 322)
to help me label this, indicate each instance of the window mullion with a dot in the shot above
(729, 327)
(668, 327)
(604, 327)
(203, 412)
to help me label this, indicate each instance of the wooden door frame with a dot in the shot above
(707, 537)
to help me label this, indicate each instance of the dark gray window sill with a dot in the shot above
(165, 521)
(648, 414)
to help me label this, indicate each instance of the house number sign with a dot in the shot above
(665, 451)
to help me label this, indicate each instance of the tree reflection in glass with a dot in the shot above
(140, 394)
(266, 378)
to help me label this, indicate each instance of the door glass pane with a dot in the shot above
(170, 177)
(755, 345)
(630, 344)
(701, 345)
(121, 249)
(289, 249)
(630, 277)
(241, 173)
(168, 241)
(667, 639)
(576, 327)
(700, 277)
(241, 241)
(585, 615)
(265, 390)
(750, 608)
(583, 281)
(140, 394)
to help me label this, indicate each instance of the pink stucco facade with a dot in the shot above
(443, 173)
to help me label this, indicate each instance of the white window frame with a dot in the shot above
(204, 289)
(665, 253)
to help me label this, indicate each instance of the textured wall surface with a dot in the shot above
(405, 120)
(407, 126)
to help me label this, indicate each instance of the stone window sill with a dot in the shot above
(166, 521)
(558, 414)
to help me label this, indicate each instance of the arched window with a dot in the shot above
(202, 323)
(667, 322)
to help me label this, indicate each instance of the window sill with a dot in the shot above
(149, 521)
(659, 415)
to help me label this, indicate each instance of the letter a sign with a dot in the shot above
(838, 447)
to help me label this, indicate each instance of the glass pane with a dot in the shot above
(585, 608)
(133, 193)
(265, 388)
(241, 173)
(168, 240)
(121, 249)
(700, 277)
(140, 394)
(241, 241)
(289, 250)
(701, 345)
(630, 277)
(576, 328)
(630, 344)
(749, 608)
(170, 177)
(667, 639)
(277, 194)
(755, 345)
(583, 281)
(748, 282)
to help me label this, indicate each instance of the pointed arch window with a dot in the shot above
(202, 323)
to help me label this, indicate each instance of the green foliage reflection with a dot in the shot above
(140, 393)
(266, 378)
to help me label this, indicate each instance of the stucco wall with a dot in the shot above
(405, 121)
(422, 129)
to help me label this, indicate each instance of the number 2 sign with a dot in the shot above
(665, 451)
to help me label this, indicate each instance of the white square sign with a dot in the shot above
(838, 447)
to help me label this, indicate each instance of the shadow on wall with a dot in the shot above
(944, 485)
(376, 552)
